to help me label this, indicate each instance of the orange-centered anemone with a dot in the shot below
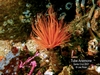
(49, 30)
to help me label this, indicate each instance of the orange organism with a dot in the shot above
(49, 30)
(1, 57)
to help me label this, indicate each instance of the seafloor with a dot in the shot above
(50, 37)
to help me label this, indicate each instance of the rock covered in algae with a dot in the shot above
(11, 16)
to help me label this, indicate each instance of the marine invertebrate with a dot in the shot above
(68, 6)
(49, 30)
(6, 64)
(1, 57)
(21, 65)
(34, 64)
(50, 33)
(93, 47)
(30, 62)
